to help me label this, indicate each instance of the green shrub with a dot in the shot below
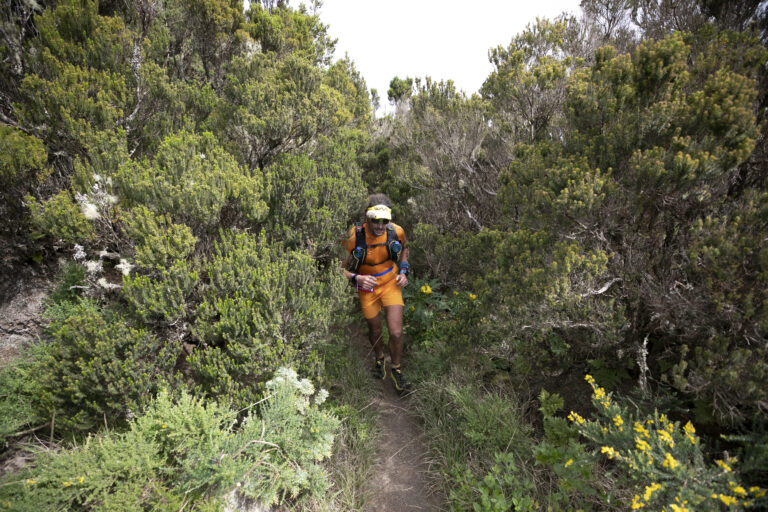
(191, 180)
(158, 241)
(69, 278)
(190, 453)
(23, 165)
(59, 217)
(20, 395)
(100, 369)
(164, 297)
(312, 200)
(265, 307)
(661, 457)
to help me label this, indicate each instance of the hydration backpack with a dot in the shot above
(360, 251)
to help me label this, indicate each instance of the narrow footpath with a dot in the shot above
(399, 479)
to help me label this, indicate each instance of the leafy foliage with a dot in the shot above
(664, 457)
(99, 369)
(266, 306)
(184, 451)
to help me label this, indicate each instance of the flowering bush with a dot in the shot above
(423, 301)
(185, 450)
(663, 459)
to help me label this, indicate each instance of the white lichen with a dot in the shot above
(93, 266)
(107, 285)
(124, 267)
(79, 253)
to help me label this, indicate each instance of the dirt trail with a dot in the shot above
(399, 474)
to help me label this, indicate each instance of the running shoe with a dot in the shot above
(380, 369)
(401, 385)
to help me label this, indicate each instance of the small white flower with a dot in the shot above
(96, 177)
(111, 199)
(93, 266)
(411, 201)
(90, 210)
(322, 395)
(202, 156)
(305, 387)
(79, 253)
(109, 181)
(125, 267)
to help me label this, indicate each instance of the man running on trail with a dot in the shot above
(377, 266)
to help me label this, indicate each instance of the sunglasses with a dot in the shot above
(379, 221)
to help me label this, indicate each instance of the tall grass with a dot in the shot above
(357, 441)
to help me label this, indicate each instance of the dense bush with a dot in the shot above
(185, 452)
(99, 369)
(265, 306)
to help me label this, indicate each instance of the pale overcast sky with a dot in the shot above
(444, 39)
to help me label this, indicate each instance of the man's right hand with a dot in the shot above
(367, 282)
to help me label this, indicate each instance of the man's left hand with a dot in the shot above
(401, 280)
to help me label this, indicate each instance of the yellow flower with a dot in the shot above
(666, 436)
(455, 292)
(163, 426)
(413, 308)
(757, 491)
(472, 296)
(728, 500)
(606, 403)
(636, 503)
(425, 289)
(670, 462)
(640, 429)
(570, 461)
(81, 479)
(31, 482)
(641, 444)
(740, 491)
(589, 379)
(599, 393)
(689, 432)
(618, 421)
(575, 417)
(650, 489)
(610, 451)
(66, 484)
(677, 508)
(723, 465)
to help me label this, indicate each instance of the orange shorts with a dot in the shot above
(388, 294)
